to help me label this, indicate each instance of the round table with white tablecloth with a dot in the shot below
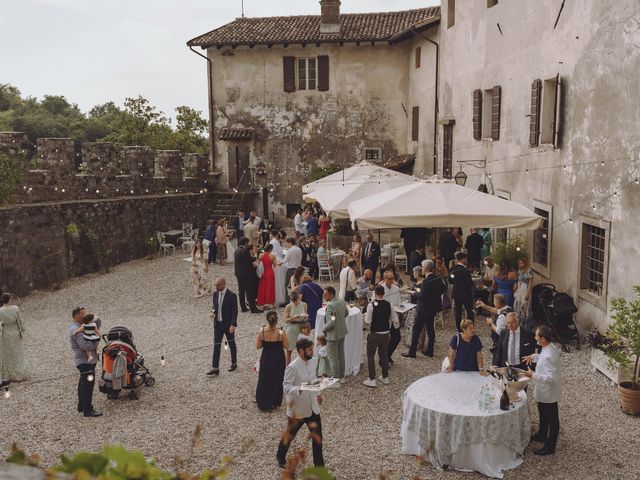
(353, 340)
(443, 422)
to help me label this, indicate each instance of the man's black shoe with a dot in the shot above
(391, 362)
(538, 438)
(79, 408)
(256, 311)
(408, 355)
(544, 451)
(282, 305)
(92, 413)
(213, 371)
(492, 349)
(427, 354)
(281, 463)
(244, 310)
(233, 367)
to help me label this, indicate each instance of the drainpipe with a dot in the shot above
(435, 110)
(212, 143)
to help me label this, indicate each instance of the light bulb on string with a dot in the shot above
(602, 163)
(517, 249)
(570, 221)
(375, 303)
(7, 393)
(527, 171)
(452, 275)
(594, 207)
(162, 361)
(637, 181)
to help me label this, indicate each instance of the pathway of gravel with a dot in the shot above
(361, 425)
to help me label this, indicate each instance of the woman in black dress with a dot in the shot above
(273, 342)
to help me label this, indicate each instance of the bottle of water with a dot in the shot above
(481, 399)
(491, 399)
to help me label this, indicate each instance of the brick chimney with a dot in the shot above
(330, 16)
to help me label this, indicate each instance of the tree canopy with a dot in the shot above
(137, 122)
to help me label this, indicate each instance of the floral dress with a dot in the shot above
(521, 305)
(13, 365)
(201, 284)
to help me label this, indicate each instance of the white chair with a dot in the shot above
(188, 244)
(325, 270)
(384, 259)
(164, 246)
(401, 260)
(186, 232)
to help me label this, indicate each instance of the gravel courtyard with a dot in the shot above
(361, 426)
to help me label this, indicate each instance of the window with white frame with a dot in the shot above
(594, 260)
(541, 255)
(307, 74)
(550, 114)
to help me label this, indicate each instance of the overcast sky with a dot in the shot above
(92, 51)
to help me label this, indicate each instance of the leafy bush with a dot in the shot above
(318, 173)
(11, 174)
(513, 250)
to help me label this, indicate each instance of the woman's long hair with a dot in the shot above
(197, 246)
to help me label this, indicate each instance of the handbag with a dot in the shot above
(445, 362)
(260, 269)
(446, 302)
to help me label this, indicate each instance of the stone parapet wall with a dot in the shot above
(57, 155)
(196, 165)
(13, 143)
(169, 165)
(36, 252)
(101, 159)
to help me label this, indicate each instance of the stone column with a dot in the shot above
(138, 161)
(169, 164)
(196, 165)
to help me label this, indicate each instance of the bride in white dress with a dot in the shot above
(279, 270)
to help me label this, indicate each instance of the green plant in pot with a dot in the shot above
(512, 250)
(623, 348)
(72, 231)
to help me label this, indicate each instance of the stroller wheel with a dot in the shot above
(149, 381)
(133, 395)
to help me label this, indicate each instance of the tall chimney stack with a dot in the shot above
(330, 16)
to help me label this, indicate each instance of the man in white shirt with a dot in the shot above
(364, 284)
(392, 295)
(277, 246)
(348, 282)
(491, 269)
(302, 406)
(499, 312)
(297, 222)
(292, 260)
(547, 390)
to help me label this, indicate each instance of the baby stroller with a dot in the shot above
(122, 367)
(556, 309)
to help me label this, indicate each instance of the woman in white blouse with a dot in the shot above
(547, 390)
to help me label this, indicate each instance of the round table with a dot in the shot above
(442, 422)
(353, 340)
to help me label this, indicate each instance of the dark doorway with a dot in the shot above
(239, 173)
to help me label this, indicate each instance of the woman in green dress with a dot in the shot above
(295, 314)
(13, 366)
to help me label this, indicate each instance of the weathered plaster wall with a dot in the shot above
(363, 107)
(596, 50)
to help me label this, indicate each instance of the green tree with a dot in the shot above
(190, 130)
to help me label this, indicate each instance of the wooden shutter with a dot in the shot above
(244, 174)
(534, 123)
(289, 68)
(495, 113)
(418, 56)
(323, 73)
(557, 114)
(415, 126)
(477, 114)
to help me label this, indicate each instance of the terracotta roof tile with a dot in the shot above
(236, 134)
(354, 27)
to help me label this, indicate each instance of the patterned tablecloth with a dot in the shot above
(442, 421)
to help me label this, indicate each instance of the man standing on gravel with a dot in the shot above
(335, 330)
(224, 314)
(80, 346)
(302, 406)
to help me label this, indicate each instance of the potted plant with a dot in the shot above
(73, 233)
(622, 346)
(153, 245)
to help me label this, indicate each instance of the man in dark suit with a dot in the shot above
(225, 320)
(416, 258)
(411, 237)
(245, 269)
(370, 257)
(462, 283)
(447, 246)
(514, 343)
(429, 303)
(239, 221)
(474, 244)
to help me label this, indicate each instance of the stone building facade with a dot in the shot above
(292, 94)
(542, 90)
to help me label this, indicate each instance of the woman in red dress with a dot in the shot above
(325, 225)
(267, 286)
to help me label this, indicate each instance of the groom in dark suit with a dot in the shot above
(461, 293)
(225, 320)
(370, 257)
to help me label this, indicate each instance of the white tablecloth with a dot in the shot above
(442, 422)
(352, 342)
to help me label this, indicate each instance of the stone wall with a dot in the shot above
(35, 251)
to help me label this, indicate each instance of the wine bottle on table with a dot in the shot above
(504, 399)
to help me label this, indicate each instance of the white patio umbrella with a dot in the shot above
(439, 203)
(335, 199)
(359, 170)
